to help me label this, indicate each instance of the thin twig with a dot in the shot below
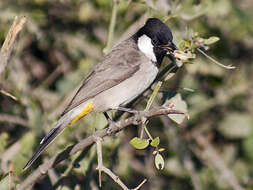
(149, 103)
(140, 185)
(100, 160)
(153, 95)
(216, 62)
(111, 27)
(102, 168)
(118, 126)
(8, 94)
(14, 119)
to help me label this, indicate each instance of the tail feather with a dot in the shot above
(60, 126)
(53, 133)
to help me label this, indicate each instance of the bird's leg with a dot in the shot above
(108, 118)
(110, 121)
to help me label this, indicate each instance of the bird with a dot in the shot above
(121, 76)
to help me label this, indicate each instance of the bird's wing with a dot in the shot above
(121, 63)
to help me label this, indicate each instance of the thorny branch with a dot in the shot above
(114, 128)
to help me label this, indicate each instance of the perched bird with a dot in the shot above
(122, 75)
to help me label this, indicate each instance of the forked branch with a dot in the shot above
(85, 143)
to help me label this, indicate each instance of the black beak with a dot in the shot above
(169, 47)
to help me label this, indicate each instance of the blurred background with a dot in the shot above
(62, 41)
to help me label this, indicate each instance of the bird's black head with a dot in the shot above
(154, 39)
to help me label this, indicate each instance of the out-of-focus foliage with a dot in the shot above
(63, 40)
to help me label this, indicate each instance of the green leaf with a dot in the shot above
(139, 143)
(159, 162)
(4, 182)
(184, 45)
(187, 44)
(211, 40)
(155, 142)
(2, 176)
(180, 105)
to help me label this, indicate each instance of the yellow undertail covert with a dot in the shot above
(85, 111)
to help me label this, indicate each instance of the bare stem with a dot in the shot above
(111, 27)
(101, 168)
(150, 101)
(6, 50)
(8, 94)
(216, 62)
(87, 142)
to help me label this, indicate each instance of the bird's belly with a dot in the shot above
(127, 90)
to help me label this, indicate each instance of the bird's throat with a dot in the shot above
(145, 45)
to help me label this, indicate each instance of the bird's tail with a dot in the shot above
(64, 121)
(53, 133)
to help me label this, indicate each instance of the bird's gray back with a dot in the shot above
(121, 63)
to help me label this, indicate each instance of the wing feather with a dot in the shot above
(121, 63)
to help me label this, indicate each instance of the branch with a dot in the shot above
(7, 93)
(102, 168)
(216, 62)
(114, 128)
(8, 45)
(6, 50)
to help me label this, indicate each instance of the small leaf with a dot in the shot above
(2, 176)
(4, 182)
(159, 162)
(161, 149)
(155, 142)
(211, 40)
(187, 44)
(154, 152)
(139, 143)
(180, 105)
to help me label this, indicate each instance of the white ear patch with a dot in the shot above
(145, 45)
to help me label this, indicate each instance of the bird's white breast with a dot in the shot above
(127, 90)
(146, 46)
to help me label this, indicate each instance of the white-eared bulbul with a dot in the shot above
(122, 75)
